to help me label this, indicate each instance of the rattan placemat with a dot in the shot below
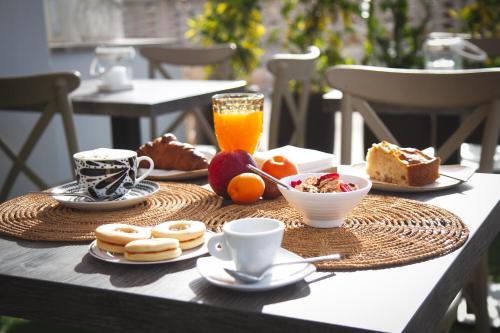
(380, 232)
(38, 217)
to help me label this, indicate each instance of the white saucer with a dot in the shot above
(160, 174)
(106, 88)
(442, 183)
(212, 269)
(136, 195)
(120, 259)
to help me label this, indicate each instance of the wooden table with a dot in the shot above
(149, 98)
(60, 282)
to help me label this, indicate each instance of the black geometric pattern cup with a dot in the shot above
(109, 173)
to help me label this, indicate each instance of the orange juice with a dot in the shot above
(238, 120)
(238, 130)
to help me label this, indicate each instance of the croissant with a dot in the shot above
(170, 154)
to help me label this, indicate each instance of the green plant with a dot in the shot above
(231, 21)
(480, 18)
(400, 47)
(322, 23)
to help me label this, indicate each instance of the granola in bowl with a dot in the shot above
(329, 197)
(328, 183)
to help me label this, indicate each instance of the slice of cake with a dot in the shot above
(403, 166)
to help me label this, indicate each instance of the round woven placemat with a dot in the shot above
(38, 217)
(380, 232)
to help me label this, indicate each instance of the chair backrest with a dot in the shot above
(47, 93)
(188, 56)
(37, 91)
(424, 89)
(417, 88)
(285, 68)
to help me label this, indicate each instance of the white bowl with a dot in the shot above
(325, 210)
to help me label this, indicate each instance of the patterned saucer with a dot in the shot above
(136, 195)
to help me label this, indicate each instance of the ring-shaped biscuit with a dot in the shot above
(154, 256)
(153, 249)
(121, 234)
(192, 243)
(105, 246)
(152, 245)
(181, 230)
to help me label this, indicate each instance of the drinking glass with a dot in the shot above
(238, 120)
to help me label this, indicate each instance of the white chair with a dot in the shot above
(291, 67)
(424, 89)
(460, 89)
(218, 55)
(47, 94)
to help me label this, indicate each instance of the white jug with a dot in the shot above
(444, 50)
(113, 67)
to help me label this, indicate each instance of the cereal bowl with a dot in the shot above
(325, 210)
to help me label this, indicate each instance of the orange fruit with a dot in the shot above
(278, 167)
(246, 188)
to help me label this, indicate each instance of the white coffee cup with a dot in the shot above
(251, 243)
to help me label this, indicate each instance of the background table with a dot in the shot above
(148, 98)
(60, 282)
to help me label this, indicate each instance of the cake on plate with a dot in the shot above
(389, 163)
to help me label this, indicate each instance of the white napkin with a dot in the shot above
(307, 160)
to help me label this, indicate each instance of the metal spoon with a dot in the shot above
(68, 194)
(268, 176)
(251, 278)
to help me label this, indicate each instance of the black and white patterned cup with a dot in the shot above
(109, 173)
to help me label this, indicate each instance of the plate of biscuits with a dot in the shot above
(175, 160)
(167, 242)
(395, 169)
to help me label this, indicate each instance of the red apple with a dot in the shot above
(226, 165)
(271, 191)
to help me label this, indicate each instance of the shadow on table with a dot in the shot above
(36, 244)
(209, 294)
(426, 196)
(124, 277)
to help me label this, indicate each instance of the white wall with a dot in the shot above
(24, 51)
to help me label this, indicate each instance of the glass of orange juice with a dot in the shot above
(238, 120)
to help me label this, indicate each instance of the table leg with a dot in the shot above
(480, 295)
(126, 132)
(346, 129)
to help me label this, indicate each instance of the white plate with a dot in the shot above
(212, 269)
(136, 195)
(442, 183)
(160, 174)
(120, 259)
